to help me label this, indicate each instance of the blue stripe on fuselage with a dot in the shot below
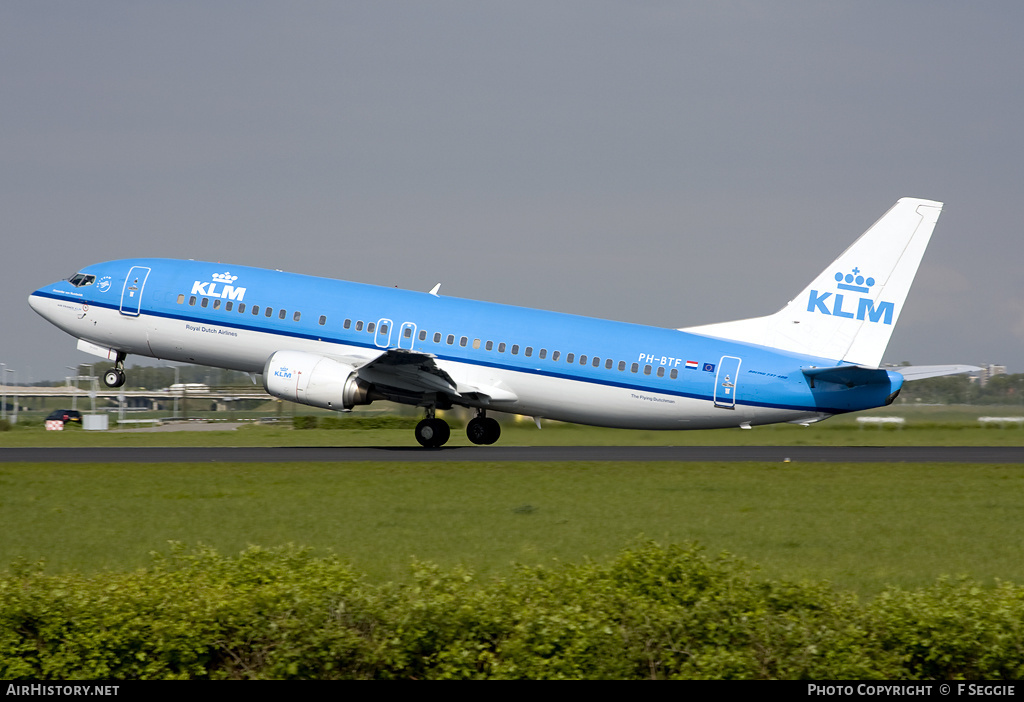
(767, 378)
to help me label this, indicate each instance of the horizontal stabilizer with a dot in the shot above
(848, 375)
(922, 372)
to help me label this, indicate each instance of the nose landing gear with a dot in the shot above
(115, 377)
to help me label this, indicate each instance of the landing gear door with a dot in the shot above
(131, 293)
(726, 382)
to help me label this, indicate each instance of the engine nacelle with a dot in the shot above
(311, 379)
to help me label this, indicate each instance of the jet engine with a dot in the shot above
(312, 379)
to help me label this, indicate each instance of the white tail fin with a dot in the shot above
(848, 312)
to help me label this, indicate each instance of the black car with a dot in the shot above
(65, 416)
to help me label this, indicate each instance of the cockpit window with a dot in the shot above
(81, 279)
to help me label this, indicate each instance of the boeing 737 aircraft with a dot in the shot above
(335, 344)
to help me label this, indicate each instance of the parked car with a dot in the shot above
(65, 416)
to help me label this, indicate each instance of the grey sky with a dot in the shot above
(668, 163)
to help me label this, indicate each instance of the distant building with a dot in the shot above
(988, 371)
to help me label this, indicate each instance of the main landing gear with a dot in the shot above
(434, 433)
(115, 377)
(483, 430)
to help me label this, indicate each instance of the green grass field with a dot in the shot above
(925, 426)
(861, 526)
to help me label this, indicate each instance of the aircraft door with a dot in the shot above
(726, 382)
(407, 336)
(383, 338)
(131, 293)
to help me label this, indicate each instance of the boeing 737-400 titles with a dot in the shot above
(334, 344)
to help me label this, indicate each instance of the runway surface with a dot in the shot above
(476, 454)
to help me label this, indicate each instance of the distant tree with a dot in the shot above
(945, 390)
(1004, 390)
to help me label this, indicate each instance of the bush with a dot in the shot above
(304, 422)
(358, 422)
(653, 612)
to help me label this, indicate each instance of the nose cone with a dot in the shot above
(36, 302)
(43, 301)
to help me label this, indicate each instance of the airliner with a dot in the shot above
(336, 345)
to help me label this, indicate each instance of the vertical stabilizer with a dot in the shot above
(849, 311)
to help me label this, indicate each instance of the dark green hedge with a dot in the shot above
(350, 422)
(653, 612)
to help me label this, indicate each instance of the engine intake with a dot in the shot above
(311, 379)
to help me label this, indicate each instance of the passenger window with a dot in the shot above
(383, 328)
(555, 355)
(489, 346)
(296, 317)
(241, 307)
(359, 325)
(269, 312)
(347, 325)
(515, 349)
(622, 365)
(634, 368)
(423, 336)
(570, 357)
(583, 359)
(463, 341)
(205, 302)
(216, 304)
(437, 337)
(674, 374)
(228, 305)
(596, 362)
(282, 314)
(528, 351)
(543, 354)
(450, 340)
(647, 370)
(370, 326)
(255, 309)
(608, 364)
(501, 347)
(192, 301)
(476, 343)
(323, 319)
(181, 298)
(407, 333)
(661, 371)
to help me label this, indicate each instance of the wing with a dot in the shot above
(408, 374)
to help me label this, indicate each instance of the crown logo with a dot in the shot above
(224, 277)
(854, 281)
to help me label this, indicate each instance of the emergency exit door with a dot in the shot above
(726, 382)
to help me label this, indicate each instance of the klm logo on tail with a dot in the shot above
(865, 306)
